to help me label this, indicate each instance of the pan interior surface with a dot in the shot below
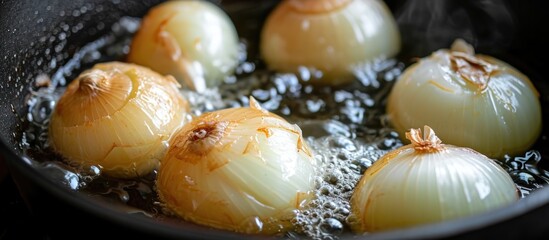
(66, 38)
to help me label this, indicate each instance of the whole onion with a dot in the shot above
(119, 117)
(472, 100)
(427, 182)
(330, 36)
(195, 41)
(239, 169)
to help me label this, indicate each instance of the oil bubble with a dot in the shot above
(331, 226)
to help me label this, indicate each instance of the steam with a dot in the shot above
(428, 25)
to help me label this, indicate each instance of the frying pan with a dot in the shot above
(30, 45)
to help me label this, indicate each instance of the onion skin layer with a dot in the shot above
(417, 185)
(194, 41)
(332, 36)
(119, 117)
(240, 169)
(497, 115)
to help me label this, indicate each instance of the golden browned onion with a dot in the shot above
(119, 117)
(195, 41)
(239, 169)
(333, 36)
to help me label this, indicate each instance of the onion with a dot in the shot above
(473, 100)
(195, 41)
(427, 182)
(119, 117)
(239, 169)
(332, 36)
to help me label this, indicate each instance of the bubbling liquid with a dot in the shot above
(345, 127)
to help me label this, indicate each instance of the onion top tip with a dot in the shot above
(428, 143)
(460, 45)
(255, 105)
(89, 81)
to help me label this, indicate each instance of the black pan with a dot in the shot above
(29, 32)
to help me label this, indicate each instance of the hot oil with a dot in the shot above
(345, 126)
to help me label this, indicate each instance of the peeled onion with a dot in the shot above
(119, 117)
(195, 41)
(239, 169)
(427, 182)
(333, 36)
(472, 100)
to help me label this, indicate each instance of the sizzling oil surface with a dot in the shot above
(345, 127)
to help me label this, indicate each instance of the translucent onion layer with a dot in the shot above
(472, 100)
(240, 169)
(428, 182)
(195, 41)
(117, 116)
(333, 36)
